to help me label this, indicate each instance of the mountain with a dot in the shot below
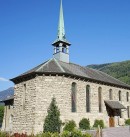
(119, 70)
(6, 93)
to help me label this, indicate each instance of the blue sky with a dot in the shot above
(99, 31)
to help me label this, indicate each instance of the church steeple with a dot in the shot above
(61, 27)
(61, 45)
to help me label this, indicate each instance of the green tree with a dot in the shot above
(52, 121)
(1, 114)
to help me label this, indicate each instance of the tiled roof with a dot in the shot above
(59, 67)
(114, 104)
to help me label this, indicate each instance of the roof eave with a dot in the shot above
(33, 74)
(8, 99)
(61, 41)
(106, 101)
(23, 76)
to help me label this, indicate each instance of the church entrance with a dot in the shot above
(111, 122)
(113, 110)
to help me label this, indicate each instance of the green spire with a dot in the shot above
(61, 28)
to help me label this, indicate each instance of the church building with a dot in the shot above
(80, 92)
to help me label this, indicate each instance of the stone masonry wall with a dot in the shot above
(24, 115)
(60, 88)
(42, 89)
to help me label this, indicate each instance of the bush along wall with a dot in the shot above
(127, 122)
(98, 123)
(70, 126)
(52, 121)
(84, 124)
(74, 133)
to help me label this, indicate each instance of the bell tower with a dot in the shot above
(61, 45)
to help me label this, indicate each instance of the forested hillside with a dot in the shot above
(119, 70)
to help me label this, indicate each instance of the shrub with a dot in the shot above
(1, 114)
(98, 122)
(44, 134)
(65, 134)
(3, 134)
(52, 121)
(84, 124)
(127, 122)
(70, 126)
(86, 135)
(18, 135)
(56, 134)
(76, 133)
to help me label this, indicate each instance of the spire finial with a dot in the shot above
(61, 27)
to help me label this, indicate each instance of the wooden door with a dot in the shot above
(111, 122)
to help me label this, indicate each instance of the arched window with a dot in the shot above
(24, 95)
(127, 96)
(100, 99)
(87, 98)
(128, 111)
(110, 94)
(119, 95)
(73, 97)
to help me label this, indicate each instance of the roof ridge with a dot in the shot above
(44, 64)
(61, 68)
(77, 67)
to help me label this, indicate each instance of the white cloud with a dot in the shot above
(4, 79)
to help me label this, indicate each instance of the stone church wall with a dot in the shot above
(42, 89)
(24, 107)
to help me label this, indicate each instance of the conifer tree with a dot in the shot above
(1, 114)
(52, 121)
